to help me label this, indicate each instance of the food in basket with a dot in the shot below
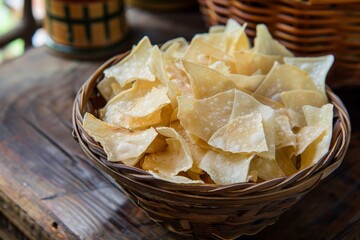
(216, 110)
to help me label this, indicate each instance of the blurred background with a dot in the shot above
(12, 44)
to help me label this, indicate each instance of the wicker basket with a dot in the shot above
(310, 28)
(206, 211)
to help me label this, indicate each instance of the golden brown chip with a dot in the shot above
(236, 38)
(199, 51)
(245, 104)
(176, 157)
(175, 48)
(286, 160)
(316, 67)
(284, 134)
(134, 66)
(120, 145)
(115, 111)
(204, 117)
(296, 99)
(323, 119)
(283, 77)
(266, 169)
(265, 44)
(226, 169)
(244, 134)
(206, 82)
(248, 62)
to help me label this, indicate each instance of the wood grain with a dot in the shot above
(48, 190)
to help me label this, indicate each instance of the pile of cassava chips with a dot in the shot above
(216, 110)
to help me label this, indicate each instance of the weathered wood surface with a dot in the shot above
(48, 190)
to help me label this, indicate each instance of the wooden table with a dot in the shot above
(48, 190)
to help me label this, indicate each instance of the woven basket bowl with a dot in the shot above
(208, 211)
(312, 28)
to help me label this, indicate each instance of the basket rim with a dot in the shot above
(327, 164)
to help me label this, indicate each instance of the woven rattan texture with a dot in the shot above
(305, 29)
(205, 211)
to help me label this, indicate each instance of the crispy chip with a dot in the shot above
(175, 48)
(236, 38)
(226, 169)
(306, 136)
(245, 104)
(248, 62)
(217, 29)
(296, 99)
(316, 67)
(244, 134)
(199, 51)
(286, 159)
(114, 111)
(158, 145)
(249, 83)
(197, 151)
(323, 119)
(204, 117)
(265, 44)
(283, 77)
(157, 59)
(230, 64)
(284, 135)
(217, 40)
(206, 82)
(174, 159)
(266, 169)
(154, 100)
(119, 144)
(129, 68)
(106, 88)
(221, 67)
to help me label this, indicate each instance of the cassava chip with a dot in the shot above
(114, 113)
(174, 159)
(175, 48)
(220, 66)
(306, 136)
(245, 104)
(244, 134)
(249, 83)
(284, 134)
(204, 117)
(199, 51)
(284, 77)
(265, 44)
(266, 169)
(286, 160)
(120, 145)
(249, 63)
(107, 86)
(134, 66)
(316, 67)
(226, 169)
(213, 39)
(323, 119)
(294, 101)
(206, 82)
(236, 38)
(154, 100)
